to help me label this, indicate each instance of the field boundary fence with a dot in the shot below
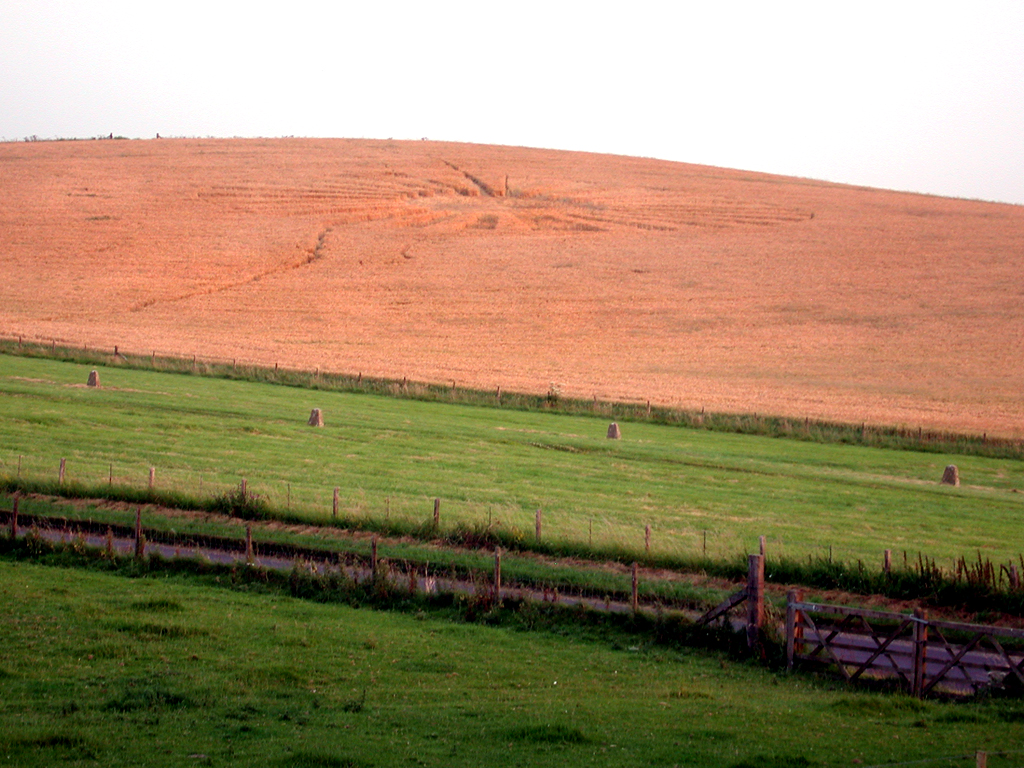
(900, 437)
(482, 583)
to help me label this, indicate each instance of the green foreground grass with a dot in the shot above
(494, 468)
(164, 669)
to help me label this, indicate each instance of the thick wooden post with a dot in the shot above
(887, 561)
(248, 544)
(60, 472)
(794, 626)
(140, 542)
(755, 600)
(635, 598)
(497, 574)
(981, 759)
(152, 477)
(14, 519)
(920, 650)
(334, 506)
(437, 512)
(537, 524)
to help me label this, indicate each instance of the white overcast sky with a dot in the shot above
(920, 96)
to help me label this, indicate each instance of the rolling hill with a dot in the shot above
(607, 276)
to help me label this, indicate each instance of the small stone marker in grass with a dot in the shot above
(94, 379)
(951, 476)
(316, 418)
(614, 433)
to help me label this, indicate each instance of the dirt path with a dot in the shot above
(319, 535)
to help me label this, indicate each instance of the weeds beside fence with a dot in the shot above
(979, 586)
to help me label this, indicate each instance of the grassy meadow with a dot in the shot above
(391, 457)
(97, 668)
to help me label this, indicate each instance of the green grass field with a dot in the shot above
(393, 457)
(100, 669)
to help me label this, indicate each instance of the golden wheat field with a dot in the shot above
(619, 277)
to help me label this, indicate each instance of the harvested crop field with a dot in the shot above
(618, 277)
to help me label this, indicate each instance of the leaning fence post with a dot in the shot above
(497, 574)
(140, 542)
(920, 650)
(755, 600)
(794, 625)
(635, 602)
(14, 519)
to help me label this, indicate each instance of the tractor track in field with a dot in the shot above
(120, 540)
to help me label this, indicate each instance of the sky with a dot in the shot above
(917, 96)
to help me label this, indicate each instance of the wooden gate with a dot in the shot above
(923, 654)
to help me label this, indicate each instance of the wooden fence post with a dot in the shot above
(373, 558)
(760, 544)
(635, 598)
(248, 544)
(60, 472)
(647, 538)
(152, 477)
(110, 477)
(887, 561)
(140, 542)
(437, 512)
(497, 574)
(334, 507)
(537, 525)
(981, 759)
(794, 625)
(14, 519)
(755, 600)
(920, 650)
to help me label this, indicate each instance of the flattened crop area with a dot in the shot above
(617, 277)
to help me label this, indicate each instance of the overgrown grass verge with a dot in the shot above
(816, 431)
